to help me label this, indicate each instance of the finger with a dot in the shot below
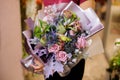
(40, 70)
(36, 67)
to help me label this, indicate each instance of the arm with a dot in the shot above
(87, 4)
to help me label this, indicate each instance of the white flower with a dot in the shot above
(74, 60)
(50, 9)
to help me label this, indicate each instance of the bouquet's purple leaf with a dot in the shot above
(30, 23)
(59, 67)
(52, 66)
(27, 34)
(27, 48)
(49, 68)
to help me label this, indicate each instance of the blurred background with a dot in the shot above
(104, 66)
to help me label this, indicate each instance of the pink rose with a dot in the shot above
(61, 56)
(54, 48)
(77, 25)
(81, 43)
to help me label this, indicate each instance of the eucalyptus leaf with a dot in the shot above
(61, 29)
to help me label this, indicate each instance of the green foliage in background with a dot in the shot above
(115, 62)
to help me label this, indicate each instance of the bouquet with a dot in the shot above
(59, 40)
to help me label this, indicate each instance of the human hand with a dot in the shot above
(87, 4)
(37, 66)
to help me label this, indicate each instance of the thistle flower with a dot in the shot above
(69, 47)
(51, 36)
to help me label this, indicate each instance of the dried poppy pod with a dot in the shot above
(67, 13)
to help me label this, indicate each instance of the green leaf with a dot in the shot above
(64, 38)
(61, 29)
(40, 30)
(43, 41)
(72, 28)
(65, 19)
(44, 26)
(47, 28)
(117, 43)
(37, 32)
(41, 23)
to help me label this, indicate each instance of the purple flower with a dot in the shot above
(52, 36)
(30, 23)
